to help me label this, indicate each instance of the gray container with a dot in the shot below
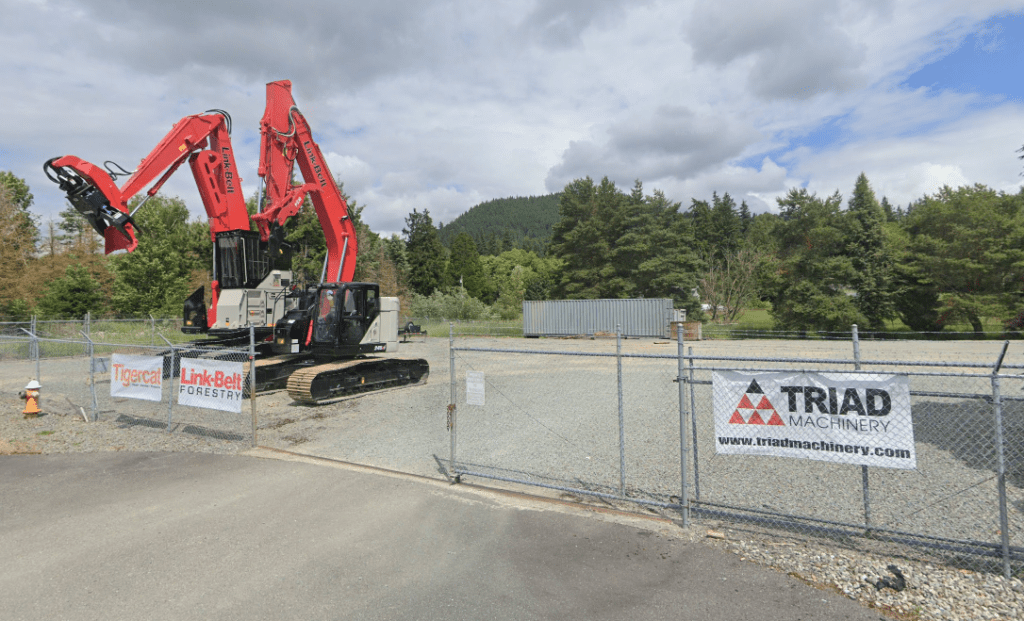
(641, 317)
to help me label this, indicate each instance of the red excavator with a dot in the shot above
(318, 335)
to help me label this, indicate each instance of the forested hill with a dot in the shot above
(522, 222)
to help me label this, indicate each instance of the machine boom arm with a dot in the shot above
(285, 138)
(93, 193)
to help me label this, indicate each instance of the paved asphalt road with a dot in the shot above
(112, 536)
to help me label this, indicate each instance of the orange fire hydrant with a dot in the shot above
(31, 397)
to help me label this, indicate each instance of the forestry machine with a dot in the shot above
(313, 339)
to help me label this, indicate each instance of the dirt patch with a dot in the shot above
(18, 448)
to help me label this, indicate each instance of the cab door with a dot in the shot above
(327, 318)
(353, 307)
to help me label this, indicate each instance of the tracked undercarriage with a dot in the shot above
(324, 382)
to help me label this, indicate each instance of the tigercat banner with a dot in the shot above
(837, 417)
(136, 377)
(212, 384)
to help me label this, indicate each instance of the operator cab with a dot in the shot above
(333, 320)
(343, 315)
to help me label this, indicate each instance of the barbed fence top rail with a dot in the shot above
(754, 359)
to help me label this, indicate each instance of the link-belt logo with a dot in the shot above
(316, 167)
(220, 379)
(229, 176)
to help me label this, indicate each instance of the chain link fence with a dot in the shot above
(636, 421)
(91, 377)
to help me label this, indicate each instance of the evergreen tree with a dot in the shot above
(872, 265)
(18, 195)
(725, 226)
(577, 239)
(657, 258)
(425, 253)
(891, 215)
(519, 222)
(73, 295)
(966, 245)
(163, 269)
(309, 247)
(76, 233)
(701, 227)
(19, 198)
(809, 283)
(464, 266)
(16, 255)
(745, 218)
(613, 245)
(510, 299)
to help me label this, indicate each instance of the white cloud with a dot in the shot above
(440, 105)
(974, 149)
(797, 48)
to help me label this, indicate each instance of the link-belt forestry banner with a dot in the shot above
(212, 384)
(136, 377)
(846, 418)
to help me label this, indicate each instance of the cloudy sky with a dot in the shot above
(442, 104)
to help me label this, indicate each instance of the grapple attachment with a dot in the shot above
(92, 193)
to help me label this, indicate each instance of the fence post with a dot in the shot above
(693, 423)
(684, 496)
(997, 411)
(622, 432)
(451, 403)
(35, 348)
(252, 379)
(865, 491)
(170, 386)
(85, 326)
(152, 325)
(92, 371)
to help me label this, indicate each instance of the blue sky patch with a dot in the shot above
(831, 132)
(989, 61)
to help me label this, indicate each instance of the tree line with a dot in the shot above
(821, 263)
(955, 257)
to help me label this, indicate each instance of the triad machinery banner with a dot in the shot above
(136, 377)
(212, 384)
(846, 418)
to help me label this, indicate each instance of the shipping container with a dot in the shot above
(649, 317)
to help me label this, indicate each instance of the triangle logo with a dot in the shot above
(764, 407)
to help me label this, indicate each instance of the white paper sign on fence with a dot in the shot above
(846, 418)
(212, 384)
(475, 387)
(136, 377)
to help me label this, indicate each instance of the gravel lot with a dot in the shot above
(554, 420)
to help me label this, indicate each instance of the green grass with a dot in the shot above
(754, 320)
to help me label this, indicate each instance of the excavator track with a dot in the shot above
(323, 382)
